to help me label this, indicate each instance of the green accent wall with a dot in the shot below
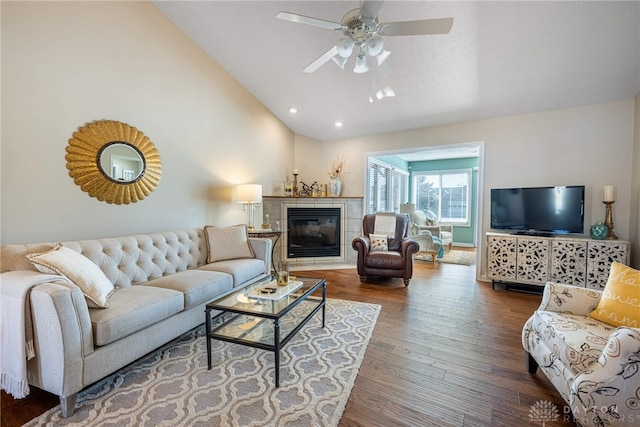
(394, 161)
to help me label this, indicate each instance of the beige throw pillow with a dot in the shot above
(378, 242)
(79, 269)
(225, 243)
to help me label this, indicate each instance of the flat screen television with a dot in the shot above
(538, 210)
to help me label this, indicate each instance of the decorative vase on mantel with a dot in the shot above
(335, 187)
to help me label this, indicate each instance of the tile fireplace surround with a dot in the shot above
(351, 213)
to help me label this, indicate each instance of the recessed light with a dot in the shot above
(338, 124)
(293, 110)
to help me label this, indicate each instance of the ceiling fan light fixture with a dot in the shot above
(345, 47)
(361, 27)
(375, 46)
(382, 57)
(361, 65)
(340, 60)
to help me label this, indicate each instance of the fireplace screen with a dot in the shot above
(313, 232)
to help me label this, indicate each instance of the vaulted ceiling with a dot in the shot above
(500, 58)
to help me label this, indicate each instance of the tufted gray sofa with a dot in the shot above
(163, 284)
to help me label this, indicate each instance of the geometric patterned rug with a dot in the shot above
(172, 386)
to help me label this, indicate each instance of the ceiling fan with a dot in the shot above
(361, 28)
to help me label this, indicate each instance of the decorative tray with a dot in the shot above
(271, 291)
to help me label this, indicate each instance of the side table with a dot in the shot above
(270, 234)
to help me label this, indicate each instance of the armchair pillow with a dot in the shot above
(378, 242)
(620, 302)
(224, 243)
(419, 218)
(79, 269)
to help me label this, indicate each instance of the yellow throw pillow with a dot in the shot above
(620, 302)
(378, 242)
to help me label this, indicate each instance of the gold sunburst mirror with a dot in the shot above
(113, 162)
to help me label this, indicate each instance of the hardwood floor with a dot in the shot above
(445, 351)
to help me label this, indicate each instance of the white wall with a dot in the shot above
(590, 145)
(634, 230)
(68, 63)
(309, 160)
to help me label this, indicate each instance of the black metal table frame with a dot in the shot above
(278, 345)
(268, 234)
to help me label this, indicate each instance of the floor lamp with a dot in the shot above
(250, 195)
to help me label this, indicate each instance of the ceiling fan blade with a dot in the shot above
(301, 19)
(369, 10)
(322, 60)
(416, 28)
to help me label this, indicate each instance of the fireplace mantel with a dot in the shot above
(351, 226)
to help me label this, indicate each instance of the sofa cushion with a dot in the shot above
(79, 269)
(228, 243)
(620, 302)
(132, 309)
(197, 286)
(241, 270)
(576, 340)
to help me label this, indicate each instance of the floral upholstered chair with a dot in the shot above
(594, 364)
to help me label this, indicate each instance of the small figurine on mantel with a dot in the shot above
(309, 190)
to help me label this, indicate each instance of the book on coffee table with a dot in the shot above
(271, 291)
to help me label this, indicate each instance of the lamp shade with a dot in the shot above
(249, 193)
(340, 60)
(374, 46)
(407, 208)
(345, 47)
(361, 65)
(382, 56)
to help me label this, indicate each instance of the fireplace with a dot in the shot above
(313, 232)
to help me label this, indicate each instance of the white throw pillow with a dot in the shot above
(378, 242)
(225, 243)
(79, 269)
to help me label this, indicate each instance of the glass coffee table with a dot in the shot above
(259, 317)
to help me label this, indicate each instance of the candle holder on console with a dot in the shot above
(609, 200)
(608, 220)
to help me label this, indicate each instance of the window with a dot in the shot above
(444, 195)
(387, 187)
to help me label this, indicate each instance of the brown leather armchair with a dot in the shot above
(397, 261)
